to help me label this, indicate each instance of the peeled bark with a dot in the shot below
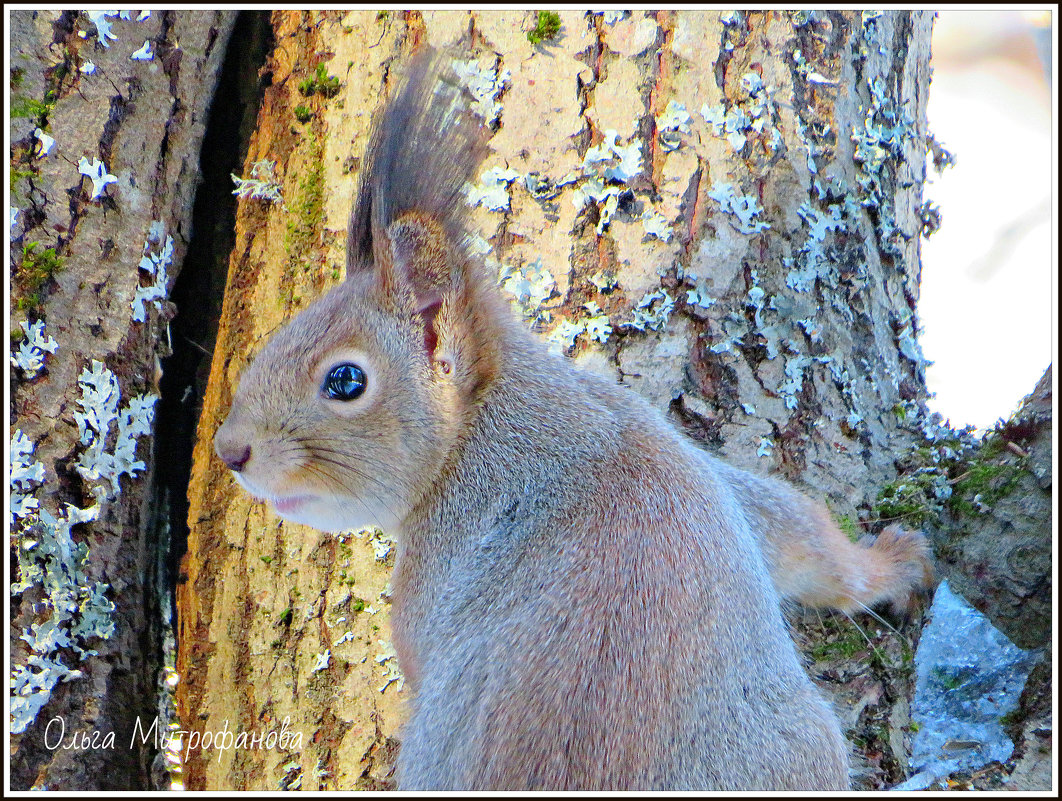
(782, 338)
(143, 119)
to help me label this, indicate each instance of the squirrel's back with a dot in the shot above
(592, 598)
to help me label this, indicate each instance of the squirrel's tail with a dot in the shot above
(895, 566)
(831, 571)
(813, 562)
(422, 149)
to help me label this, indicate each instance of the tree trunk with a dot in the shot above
(126, 100)
(752, 266)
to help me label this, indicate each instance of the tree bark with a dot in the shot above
(136, 107)
(753, 268)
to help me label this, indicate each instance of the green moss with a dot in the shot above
(327, 85)
(286, 617)
(28, 107)
(993, 445)
(1011, 718)
(900, 411)
(848, 526)
(307, 217)
(305, 222)
(17, 75)
(37, 268)
(843, 641)
(547, 27)
(949, 681)
(358, 605)
(302, 114)
(951, 475)
(17, 175)
(56, 76)
(321, 83)
(267, 559)
(984, 482)
(905, 500)
(880, 659)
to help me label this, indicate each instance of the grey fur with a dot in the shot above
(583, 599)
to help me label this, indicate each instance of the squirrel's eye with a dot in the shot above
(345, 382)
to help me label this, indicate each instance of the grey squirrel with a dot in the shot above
(582, 598)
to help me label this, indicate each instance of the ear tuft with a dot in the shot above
(423, 148)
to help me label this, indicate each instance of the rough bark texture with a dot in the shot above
(794, 365)
(999, 559)
(999, 556)
(144, 119)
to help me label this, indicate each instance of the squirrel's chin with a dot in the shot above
(330, 516)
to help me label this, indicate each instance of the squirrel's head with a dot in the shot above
(347, 415)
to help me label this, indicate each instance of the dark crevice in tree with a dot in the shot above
(200, 286)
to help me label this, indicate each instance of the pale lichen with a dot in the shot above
(485, 85)
(154, 264)
(565, 333)
(673, 121)
(262, 185)
(492, 191)
(744, 207)
(44, 143)
(652, 311)
(530, 285)
(381, 542)
(99, 403)
(698, 296)
(24, 474)
(604, 280)
(752, 115)
(144, 53)
(388, 660)
(604, 170)
(72, 611)
(321, 661)
(31, 351)
(96, 170)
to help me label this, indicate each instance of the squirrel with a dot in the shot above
(582, 597)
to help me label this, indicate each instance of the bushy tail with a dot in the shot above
(813, 562)
(826, 569)
(423, 148)
(894, 567)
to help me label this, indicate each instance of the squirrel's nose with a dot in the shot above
(232, 454)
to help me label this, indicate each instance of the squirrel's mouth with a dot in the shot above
(282, 505)
(286, 506)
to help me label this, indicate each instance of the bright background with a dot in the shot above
(989, 274)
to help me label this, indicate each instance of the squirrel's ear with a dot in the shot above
(423, 260)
